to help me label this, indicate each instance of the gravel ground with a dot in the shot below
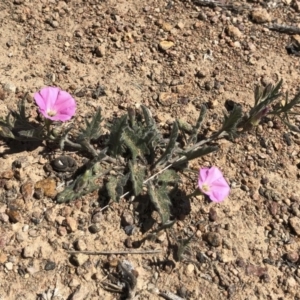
(171, 56)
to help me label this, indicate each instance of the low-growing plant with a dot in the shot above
(144, 159)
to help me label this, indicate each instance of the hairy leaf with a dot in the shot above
(151, 135)
(64, 137)
(183, 246)
(168, 176)
(231, 121)
(6, 132)
(84, 183)
(92, 129)
(115, 186)
(185, 127)
(159, 197)
(30, 135)
(135, 144)
(137, 175)
(195, 153)
(193, 137)
(148, 116)
(116, 136)
(266, 95)
(170, 147)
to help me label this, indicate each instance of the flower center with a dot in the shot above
(51, 113)
(205, 188)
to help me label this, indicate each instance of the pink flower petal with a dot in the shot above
(49, 94)
(218, 195)
(219, 190)
(63, 100)
(62, 117)
(214, 173)
(202, 176)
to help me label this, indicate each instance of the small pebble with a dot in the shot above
(165, 45)
(80, 245)
(292, 256)
(260, 16)
(213, 216)
(189, 269)
(79, 259)
(94, 228)
(27, 190)
(61, 230)
(49, 187)
(28, 252)
(50, 265)
(9, 266)
(213, 238)
(127, 218)
(71, 224)
(295, 224)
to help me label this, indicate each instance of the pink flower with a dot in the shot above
(212, 183)
(55, 104)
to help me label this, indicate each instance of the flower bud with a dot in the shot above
(255, 120)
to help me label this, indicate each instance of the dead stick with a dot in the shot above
(283, 28)
(115, 252)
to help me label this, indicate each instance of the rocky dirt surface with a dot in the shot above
(171, 56)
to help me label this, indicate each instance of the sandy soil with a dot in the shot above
(244, 248)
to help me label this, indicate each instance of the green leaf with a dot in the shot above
(116, 136)
(148, 116)
(137, 176)
(264, 96)
(92, 130)
(193, 137)
(115, 186)
(6, 132)
(231, 121)
(183, 246)
(86, 181)
(135, 144)
(170, 147)
(185, 127)
(159, 197)
(82, 185)
(111, 187)
(195, 153)
(30, 135)
(151, 135)
(168, 176)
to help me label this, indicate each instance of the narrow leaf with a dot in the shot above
(193, 137)
(170, 147)
(159, 197)
(6, 132)
(92, 129)
(137, 176)
(185, 127)
(231, 121)
(116, 136)
(111, 187)
(195, 153)
(183, 245)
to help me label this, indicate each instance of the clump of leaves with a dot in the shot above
(266, 103)
(137, 157)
